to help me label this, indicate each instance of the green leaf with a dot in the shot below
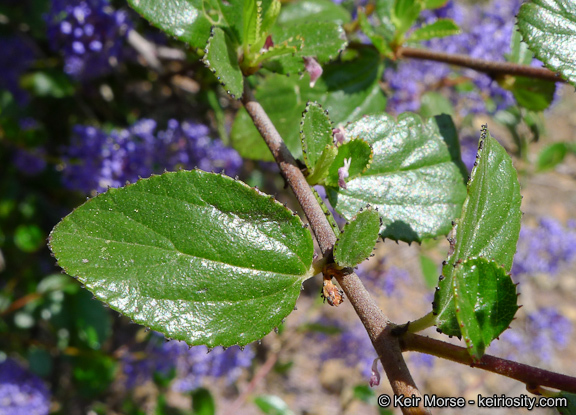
(429, 269)
(358, 238)
(434, 103)
(272, 405)
(252, 17)
(485, 300)
(29, 238)
(533, 94)
(197, 256)
(313, 11)
(440, 28)
(519, 52)
(359, 154)
(434, 4)
(203, 402)
(549, 29)
(327, 212)
(322, 167)
(488, 226)
(570, 408)
(347, 90)
(416, 179)
(316, 133)
(270, 17)
(48, 83)
(222, 60)
(183, 20)
(322, 40)
(377, 39)
(551, 156)
(405, 13)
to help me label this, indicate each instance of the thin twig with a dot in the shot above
(376, 323)
(531, 376)
(491, 68)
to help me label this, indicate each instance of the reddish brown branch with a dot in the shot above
(494, 69)
(374, 320)
(531, 376)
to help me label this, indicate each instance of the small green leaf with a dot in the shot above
(570, 408)
(485, 300)
(551, 156)
(272, 405)
(434, 103)
(197, 256)
(327, 212)
(429, 269)
(533, 94)
(184, 20)
(434, 4)
(289, 47)
(252, 16)
(439, 28)
(488, 227)
(416, 179)
(377, 39)
(203, 402)
(270, 17)
(405, 13)
(358, 238)
(347, 90)
(222, 60)
(322, 167)
(359, 154)
(316, 133)
(549, 29)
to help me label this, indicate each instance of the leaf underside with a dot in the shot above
(197, 256)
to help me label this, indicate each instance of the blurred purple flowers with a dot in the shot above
(95, 159)
(191, 364)
(17, 56)
(21, 392)
(89, 33)
(487, 30)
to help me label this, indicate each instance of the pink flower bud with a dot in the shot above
(339, 135)
(375, 378)
(343, 173)
(313, 68)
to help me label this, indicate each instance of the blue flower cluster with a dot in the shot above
(383, 278)
(545, 248)
(89, 33)
(96, 160)
(21, 392)
(192, 364)
(487, 30)
(18, 54)
(545, 332)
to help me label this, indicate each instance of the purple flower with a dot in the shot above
(90, 35)
(30, 162)
(21, 392)
(95, 160)
(381, 278)
(191, 364)
(545, 248)
(314, 69)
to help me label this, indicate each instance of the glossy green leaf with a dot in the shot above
(416, 179)
(357, 239)
(358, 153)
(485, 300)
(488, 226)
(197, 256)
(322, 40)
(549, 29)
(222, 60)
(316, 133)
(570, 408)
(306, 11)
(183, 20)
(439, 28)
(347, 90)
